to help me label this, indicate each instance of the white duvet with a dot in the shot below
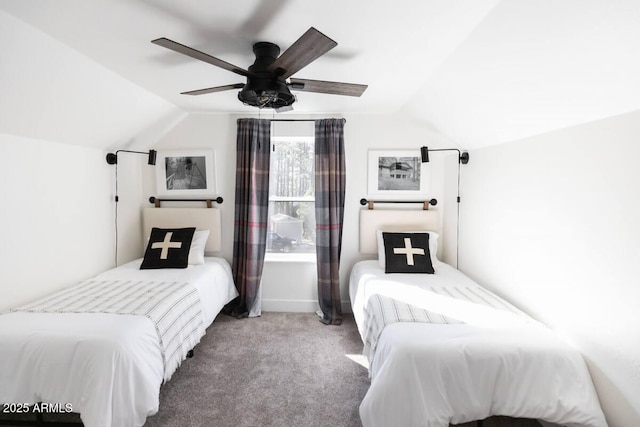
(498, 362)
(108, 367)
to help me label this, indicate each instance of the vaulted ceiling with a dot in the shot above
(480, 72)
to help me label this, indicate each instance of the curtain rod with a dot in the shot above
(298, 120)
(291, 120)
(302, 120)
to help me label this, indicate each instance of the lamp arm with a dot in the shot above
(129, 151)
(445, 149)
(112, 158)
(463, 157)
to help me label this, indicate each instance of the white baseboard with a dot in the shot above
(297, 306)
(290, 306)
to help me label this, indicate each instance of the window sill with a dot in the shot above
(289, 257)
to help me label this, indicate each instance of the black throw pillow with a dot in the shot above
(407, 253)
(168, 248)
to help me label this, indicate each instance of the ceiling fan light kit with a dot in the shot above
(276, 95)
(266, 85)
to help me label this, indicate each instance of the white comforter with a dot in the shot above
(498, 362)
(108, 367)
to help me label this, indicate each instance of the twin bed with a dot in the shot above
(443, 350)
(103, 347)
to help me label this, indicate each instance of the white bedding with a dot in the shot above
(108, 367)
(498, 362)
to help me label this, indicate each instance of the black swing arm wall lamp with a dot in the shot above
(112, 158)
(463, 157)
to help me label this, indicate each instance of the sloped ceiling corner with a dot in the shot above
(535, 67)
(52, 92)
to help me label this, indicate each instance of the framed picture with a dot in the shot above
(185, 174)
(396, 173)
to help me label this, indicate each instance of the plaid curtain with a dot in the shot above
(250, 219)
(330, 187)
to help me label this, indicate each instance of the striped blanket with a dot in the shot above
(381, 311)
(173, 308)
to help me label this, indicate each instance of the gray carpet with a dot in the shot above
(281, 369)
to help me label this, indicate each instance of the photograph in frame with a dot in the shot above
(396, 173)
(184, 174)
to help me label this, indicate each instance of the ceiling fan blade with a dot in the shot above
(333, 88)
(309, 47)
(213, 89)
(186, 50)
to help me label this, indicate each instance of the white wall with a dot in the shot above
(292, 286)
(551, 223)
(56, 216)
(59, 112)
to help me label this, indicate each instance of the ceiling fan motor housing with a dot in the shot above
(265, 89)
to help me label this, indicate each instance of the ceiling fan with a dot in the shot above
(267, 85)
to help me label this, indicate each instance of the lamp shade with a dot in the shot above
(424, 153)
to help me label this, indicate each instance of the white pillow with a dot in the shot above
(196, 251)
(433, 245)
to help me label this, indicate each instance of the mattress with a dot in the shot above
(106, 367)
(495, 360)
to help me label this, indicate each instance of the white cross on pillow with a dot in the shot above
(409, 251)
(166, 244)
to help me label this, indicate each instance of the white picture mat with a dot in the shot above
(373, 174)
(209, 173)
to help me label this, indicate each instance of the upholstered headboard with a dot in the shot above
(393, 220)
(201, 218)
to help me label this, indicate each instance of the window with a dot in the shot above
(292, 222)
